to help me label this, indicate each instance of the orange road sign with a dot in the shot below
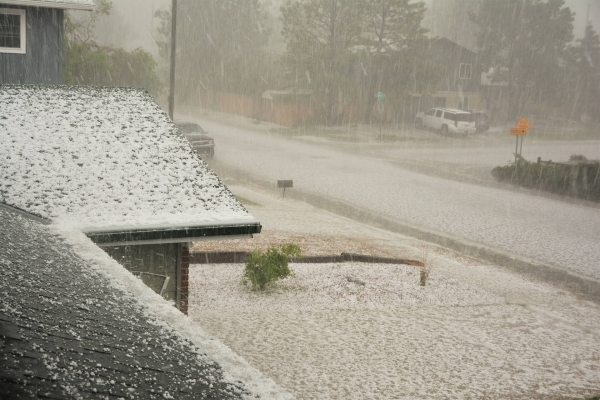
(521, 128)
(523, 124)
(515, 131)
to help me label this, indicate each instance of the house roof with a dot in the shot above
(445, 41)
(67, 332)
(64, 4)
(109, 160)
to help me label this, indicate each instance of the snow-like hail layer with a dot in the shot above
(102, 157)
(234, 367)
(322, 335)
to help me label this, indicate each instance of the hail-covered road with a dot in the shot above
(554, 232)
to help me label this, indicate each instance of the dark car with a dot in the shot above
(198, 138)
(482, 120)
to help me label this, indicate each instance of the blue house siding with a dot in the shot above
(42, 63)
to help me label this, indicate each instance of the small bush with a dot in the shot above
(581, 180)
(426, 268)
(577, 158)
(263, 268)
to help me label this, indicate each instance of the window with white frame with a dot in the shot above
(465, 71)
(12, 30)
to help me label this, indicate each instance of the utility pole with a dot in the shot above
(173, 51)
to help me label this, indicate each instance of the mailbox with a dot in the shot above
(285, 184)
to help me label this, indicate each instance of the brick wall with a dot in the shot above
(162, 259)
(185, 272)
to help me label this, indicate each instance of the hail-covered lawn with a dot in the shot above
(474, 331)
(100, 157)
(370, 331)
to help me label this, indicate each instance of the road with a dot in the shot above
(551, 231)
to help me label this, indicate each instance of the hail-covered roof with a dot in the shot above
(66, 331)
(65, 4)
(104, 159)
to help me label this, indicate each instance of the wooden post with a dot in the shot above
(173, 51)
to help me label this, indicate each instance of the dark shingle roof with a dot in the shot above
(65, 332)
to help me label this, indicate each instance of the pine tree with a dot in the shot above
(221, 46)
(587, 66)
(523, 43)
(320, 35)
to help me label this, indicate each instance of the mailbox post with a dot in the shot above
(380, 96)
(285, 184)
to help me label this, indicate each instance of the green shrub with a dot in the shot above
(263, 268)
(581, 179)
(426, 268)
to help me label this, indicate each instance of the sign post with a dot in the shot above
(287, 183)
(520, 129)
(380, 96)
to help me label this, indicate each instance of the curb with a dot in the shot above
(586, 288)
(239, 257)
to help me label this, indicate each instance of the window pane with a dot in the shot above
(10, 30)
(463, 117)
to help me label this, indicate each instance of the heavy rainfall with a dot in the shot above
(311, 199)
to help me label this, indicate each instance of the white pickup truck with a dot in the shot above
(447, 120)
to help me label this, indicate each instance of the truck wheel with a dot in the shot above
(445, 130)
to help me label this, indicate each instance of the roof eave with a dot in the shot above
(49, 4)
(174, 235)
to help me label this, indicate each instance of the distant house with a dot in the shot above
(31, 39)
(459, 86)
(287, 107)
(110, 163)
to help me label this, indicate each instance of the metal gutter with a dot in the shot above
(50, 4)
(176, 240)
(168, 226)
(172, 234)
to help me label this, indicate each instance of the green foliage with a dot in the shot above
(80, 29)
(347, 50)
(585, 63)
(87, 63)
(580, 180)
(524, 44)
(320, 35)
(425, 268)
(423, 276)
(221, 46)
(263, 268)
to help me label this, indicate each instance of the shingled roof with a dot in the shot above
(74, 324)
(64, 4)
(110, 162)
(67, 332)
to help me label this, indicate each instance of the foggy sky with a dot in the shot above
(132, 25)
